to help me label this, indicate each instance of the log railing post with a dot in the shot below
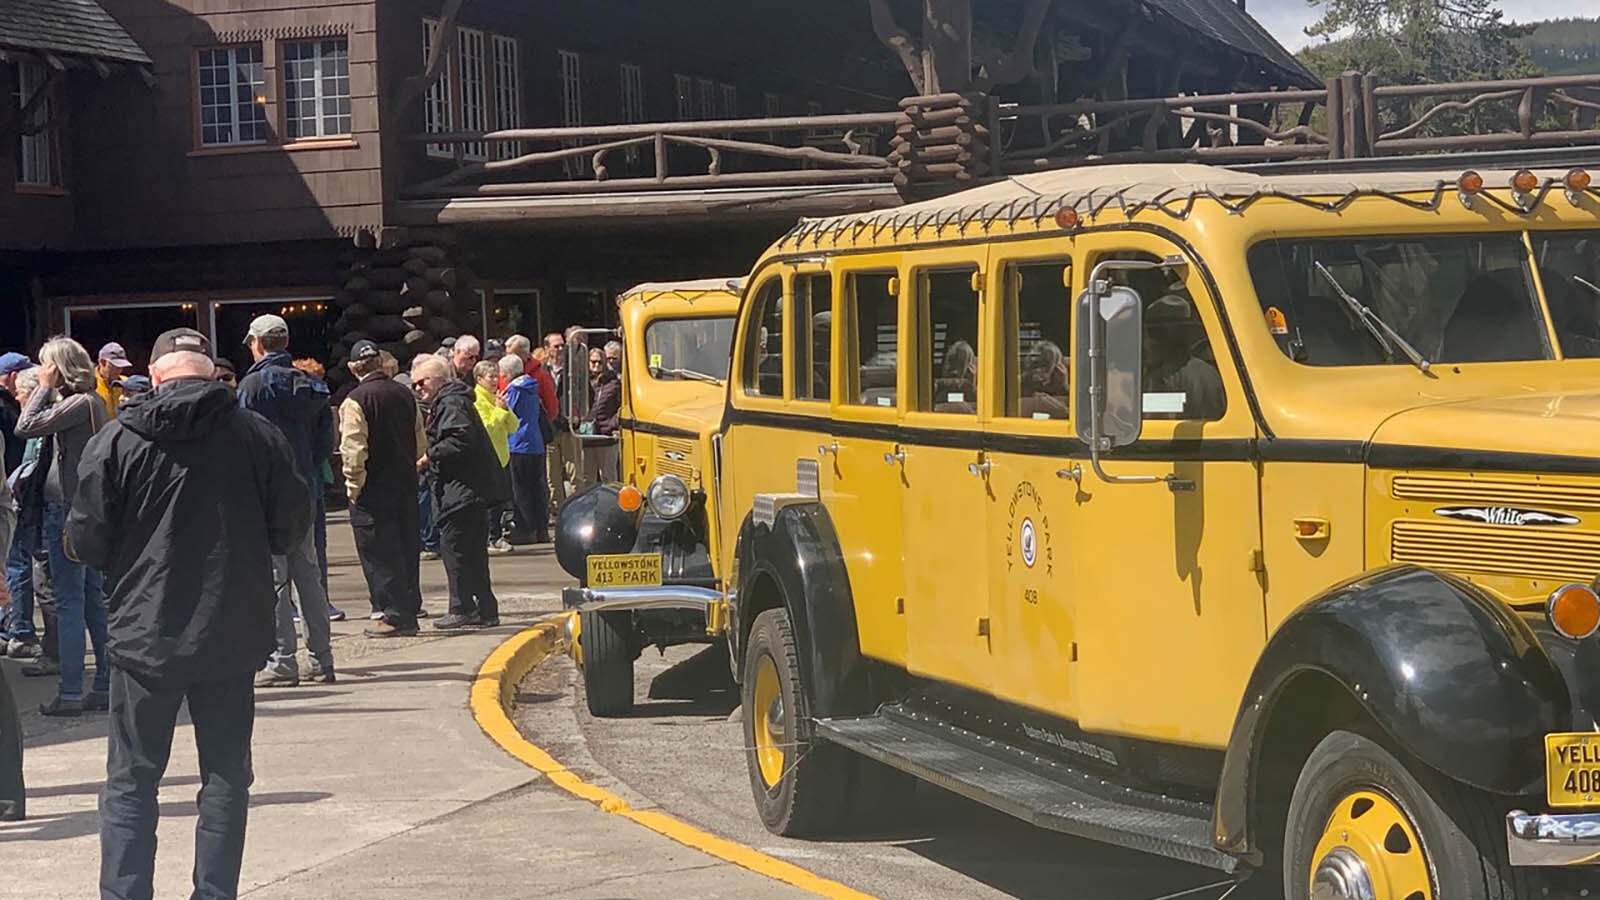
(1336, 123)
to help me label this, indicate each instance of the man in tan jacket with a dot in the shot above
(381, 441)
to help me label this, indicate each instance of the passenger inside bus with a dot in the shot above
(1173, 367)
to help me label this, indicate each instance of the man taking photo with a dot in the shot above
(183, 501)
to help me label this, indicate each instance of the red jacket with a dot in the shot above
(547, 386)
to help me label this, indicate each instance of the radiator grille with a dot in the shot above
(1542, 494)
(675, 456)
(1559, 555)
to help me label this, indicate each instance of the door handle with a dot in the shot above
(980, 468)
(825, 449)
(896, 458)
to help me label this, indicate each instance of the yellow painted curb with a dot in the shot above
(494, 694)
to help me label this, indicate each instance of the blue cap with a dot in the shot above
(14, 362)
(135, 384)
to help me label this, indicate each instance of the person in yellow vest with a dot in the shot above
(108, 371)
(499, 422)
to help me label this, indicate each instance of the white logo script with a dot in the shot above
(1505, 515)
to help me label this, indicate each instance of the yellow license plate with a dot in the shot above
(1572, 769)
(625, 570)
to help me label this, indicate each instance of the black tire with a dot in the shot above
(1459, 831)
(607, 663)
(810, 795)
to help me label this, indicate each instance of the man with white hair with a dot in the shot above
(464, 356)
(183, 501)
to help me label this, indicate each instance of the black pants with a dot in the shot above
(530, 490)
(464, 547)
(388, 541)
(143, 716)
(12, 796)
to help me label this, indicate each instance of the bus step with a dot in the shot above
(1043, 793)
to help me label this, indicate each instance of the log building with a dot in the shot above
(410, 169)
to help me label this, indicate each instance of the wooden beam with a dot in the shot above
(438, 56)
(947, 39)
(1019, 63)
(900, 41)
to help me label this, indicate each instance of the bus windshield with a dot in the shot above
(689, 349)
(1386, 300)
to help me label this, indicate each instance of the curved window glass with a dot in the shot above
(689, 349)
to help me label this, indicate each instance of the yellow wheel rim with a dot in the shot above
(1369, 848)
(768, 721)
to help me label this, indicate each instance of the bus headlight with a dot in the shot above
(669, 496)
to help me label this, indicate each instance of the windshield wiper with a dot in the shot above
(1374, 322)
(689, 374)
(1586, 283)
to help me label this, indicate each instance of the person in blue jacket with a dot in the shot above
(528, 488)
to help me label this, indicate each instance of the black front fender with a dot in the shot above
(796, 563)
(1450, 674)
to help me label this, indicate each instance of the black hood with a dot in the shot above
(452, 388)
(179, 410)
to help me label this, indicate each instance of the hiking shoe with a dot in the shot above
(96, 701)
(376, 616)
(422, 613)
(44, 668)
(13, 810)
(386, 630)
(24, 648)
(492, 623)
(318, 676)
(61, 707)
(271, 679)
(501, 547)
(452, 620)
(335, 614)
(429, 555)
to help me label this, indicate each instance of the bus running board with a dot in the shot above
(1043, 793)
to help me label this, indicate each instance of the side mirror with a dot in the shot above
(1109, 381)
(575, 393)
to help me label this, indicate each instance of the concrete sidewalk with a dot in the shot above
(379, 786)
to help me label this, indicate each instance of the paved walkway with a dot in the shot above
(379, 786)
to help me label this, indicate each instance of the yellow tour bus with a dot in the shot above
(621, 540)
(1250, 520)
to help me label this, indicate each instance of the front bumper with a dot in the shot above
(672, 596)
(1553, 840)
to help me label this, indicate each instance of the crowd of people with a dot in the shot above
(175, 524)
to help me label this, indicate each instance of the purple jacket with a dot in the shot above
(606, 408)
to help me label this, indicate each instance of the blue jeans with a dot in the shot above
(80, 604)
(430, 528)
(19, 581)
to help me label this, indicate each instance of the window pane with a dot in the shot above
(1038, 334)
(876, 332)
(1180, 371)
(948, 363)
(764, 362)
(1569, 263)
(688, 349)
(813, 345)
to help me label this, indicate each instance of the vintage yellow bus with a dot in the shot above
(621, 540)
(1251, 520)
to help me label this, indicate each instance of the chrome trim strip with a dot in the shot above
(1553, 840)
(665, 597)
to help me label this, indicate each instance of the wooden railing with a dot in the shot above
(949, 140)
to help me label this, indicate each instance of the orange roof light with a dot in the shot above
(630, 499)
(1574, 611)
(1524, 182)
(1067, 217)
(1470, 182)
(1576, 180)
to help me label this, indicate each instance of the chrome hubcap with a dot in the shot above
(775, 720)
(1342, 876)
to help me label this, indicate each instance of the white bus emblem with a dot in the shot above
(1029, 544)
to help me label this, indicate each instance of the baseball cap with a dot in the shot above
(363, 350)
(14, 362)
(261, 326)
(494, 348)
(179, 339)
(114, 354)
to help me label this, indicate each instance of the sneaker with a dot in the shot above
(386, 630)
(422, 613)
(24, 648)
(501, 547)
(429, 555)
(13, 811)
(45, 667)
(270, 679)
(318, 676)
(335, 614)
(376, 616)
(452, 621)
(61, 707)
(492, 623)
(96, 701)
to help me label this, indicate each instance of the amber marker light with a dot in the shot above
(1469, 185)
(1576, 182)
(630, 499)
(1067, 217)
(1574, 611)
(1524, 182)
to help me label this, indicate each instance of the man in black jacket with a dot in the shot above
(182, 501)
(465, 477)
